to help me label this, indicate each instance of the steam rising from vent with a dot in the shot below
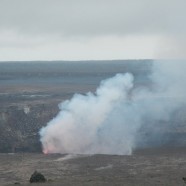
(109, 121)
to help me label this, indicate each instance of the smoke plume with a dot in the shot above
(114, 119)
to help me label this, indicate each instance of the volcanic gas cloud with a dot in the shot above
(109, 120)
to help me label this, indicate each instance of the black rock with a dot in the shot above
(37, 177)
(184, 179)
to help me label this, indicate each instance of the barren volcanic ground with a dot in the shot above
(144, 167)
(29, 95)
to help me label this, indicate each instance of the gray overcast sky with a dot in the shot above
(92, 29)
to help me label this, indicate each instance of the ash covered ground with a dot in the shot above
(145, 167)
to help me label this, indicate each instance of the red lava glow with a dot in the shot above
(45, 151)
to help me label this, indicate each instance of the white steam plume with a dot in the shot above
(108, 122)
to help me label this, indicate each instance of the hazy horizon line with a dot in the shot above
(90, 60)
